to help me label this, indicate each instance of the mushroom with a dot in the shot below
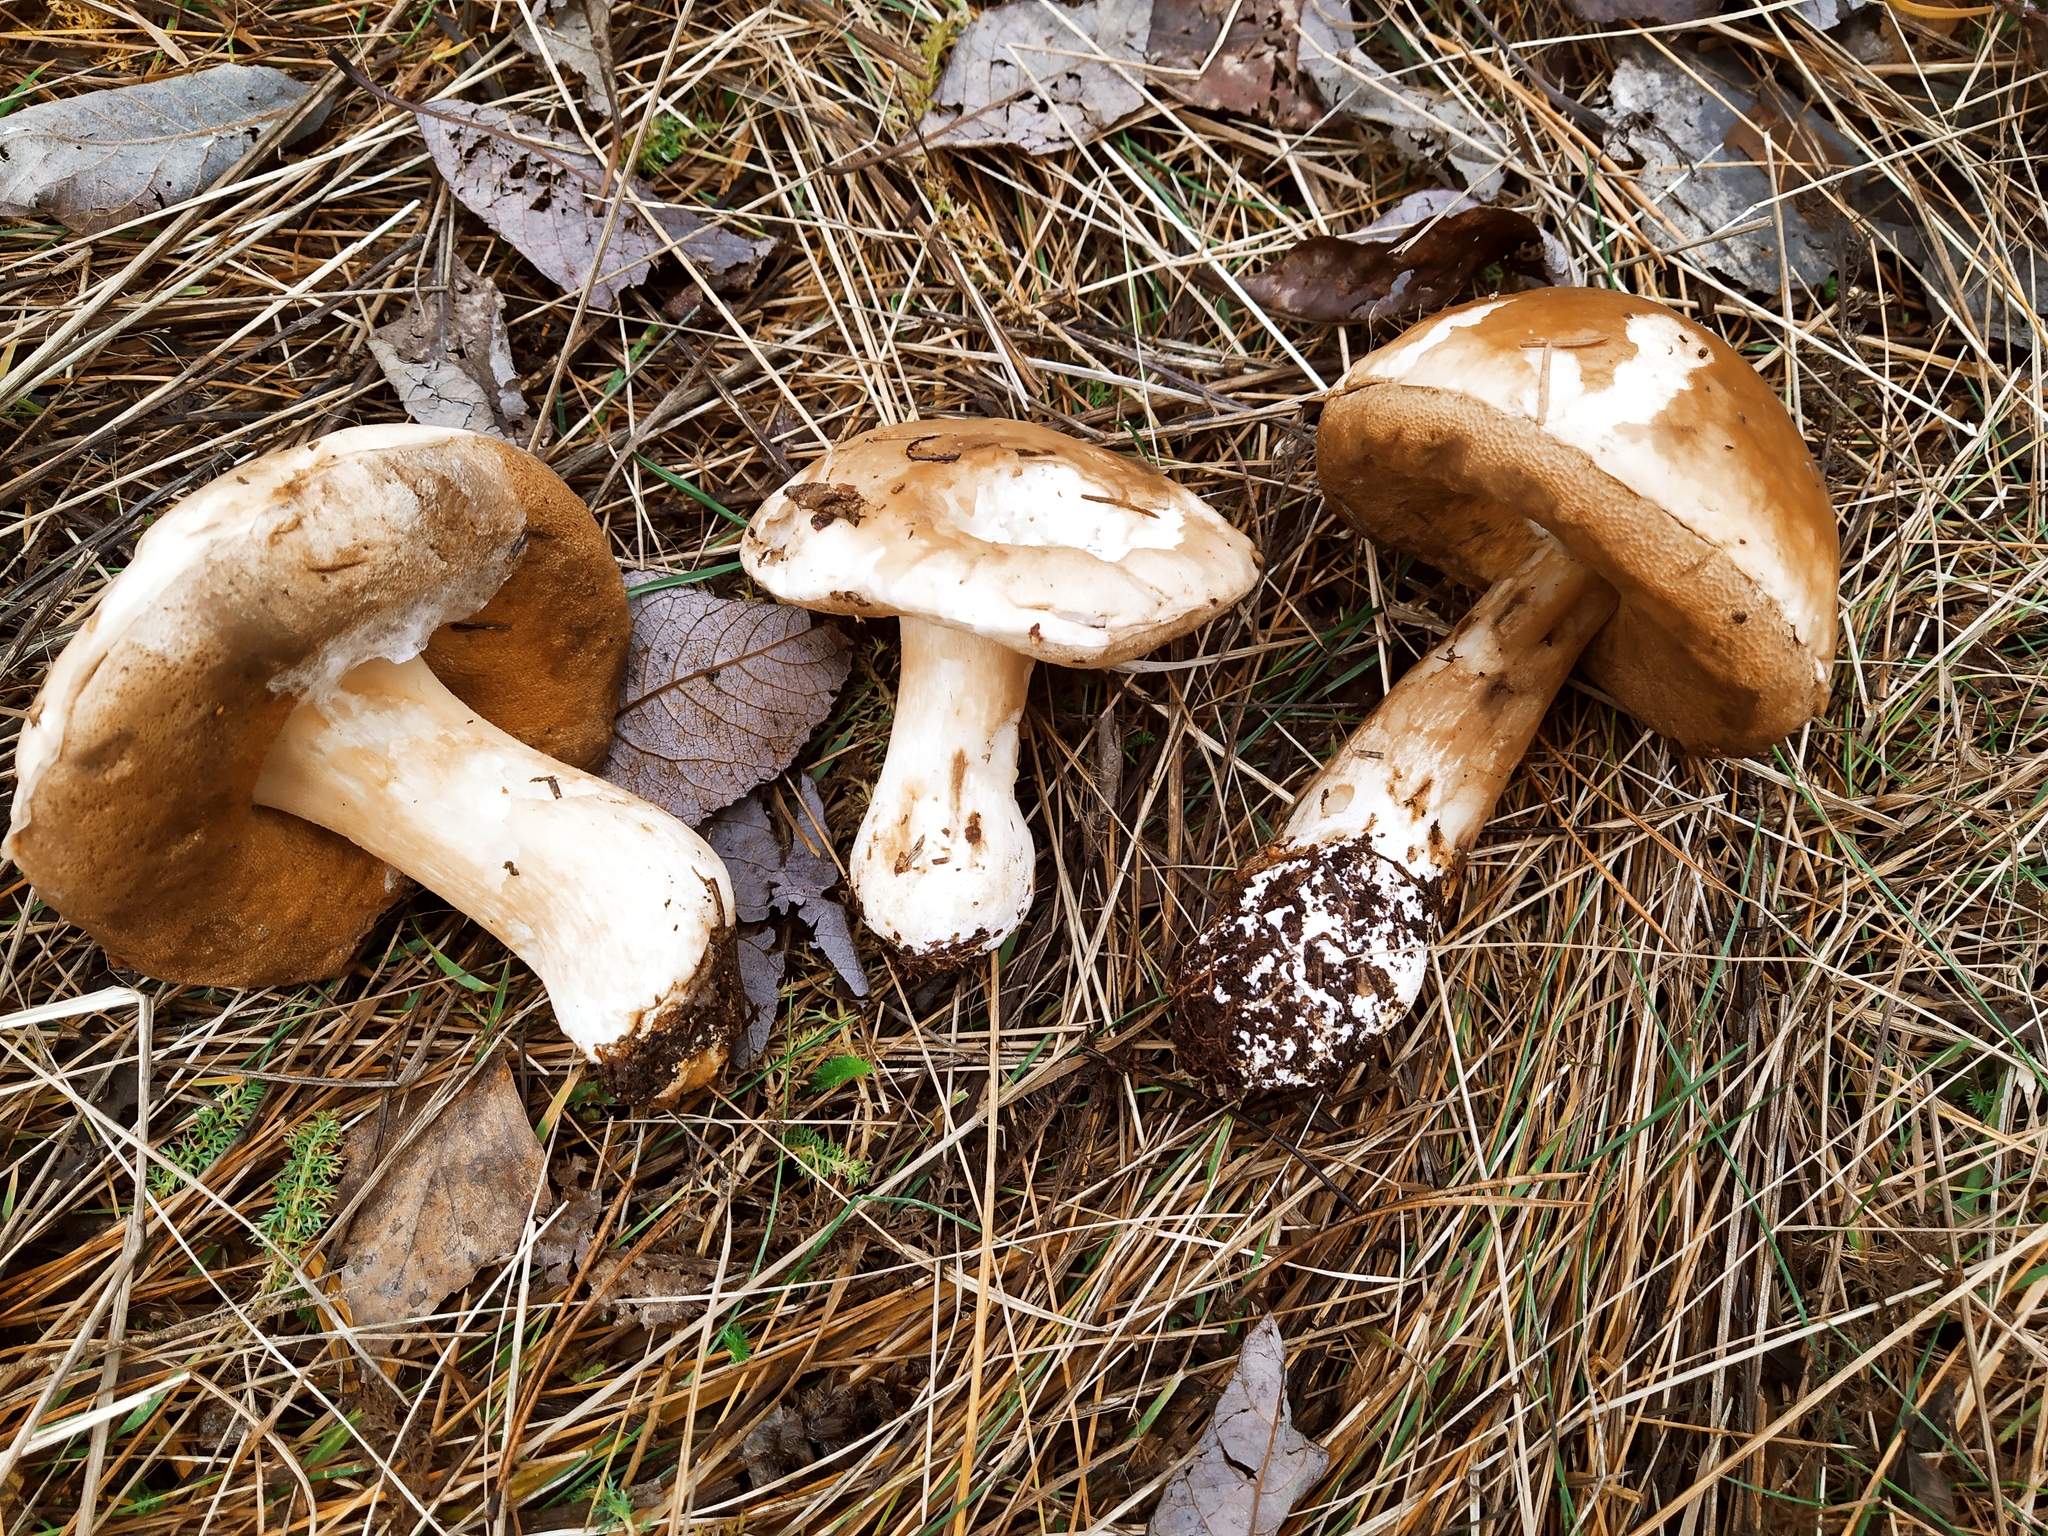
(255, 731)
(997, 544)
(1628, 494)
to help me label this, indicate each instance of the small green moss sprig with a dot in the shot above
(825, 1160)
(209, 1134)
(303, 1195)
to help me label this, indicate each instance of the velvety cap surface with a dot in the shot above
(1058, 549)
(139, 758)
(1653, 451)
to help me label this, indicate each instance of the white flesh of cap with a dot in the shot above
(942, 863)
(613, 902)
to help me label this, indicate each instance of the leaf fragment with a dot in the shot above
(576, 34)
(1254, 69)
(1251, 1466)
(1341, 281)
(785, 871)
(454, 1201)
(720, 695)
(101, 159)
(543, 191)
(450, 360)
(1040, 76)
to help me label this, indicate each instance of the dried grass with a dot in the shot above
(1702, 1193)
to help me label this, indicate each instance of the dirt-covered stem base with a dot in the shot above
(1326, 941)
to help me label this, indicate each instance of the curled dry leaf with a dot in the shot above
(541, 190)
(93, 161)
(1254, 70)
(719, 696)
(455, 1200)
(783, 869)
(1040, 76)
(1252, 1465)
(450, 360)
(1339, 281)
(576, 34)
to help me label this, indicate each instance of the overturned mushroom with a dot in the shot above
(998, 544)
(1629, 495)
(266, 668)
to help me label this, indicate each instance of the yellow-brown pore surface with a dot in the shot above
(143, 832)
(1697, 649)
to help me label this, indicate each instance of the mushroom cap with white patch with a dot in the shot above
(1057, 549)
(134, 775)
(1653, 451)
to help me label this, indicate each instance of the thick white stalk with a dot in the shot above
(1328, 940)
(624, 912)
(942, 864)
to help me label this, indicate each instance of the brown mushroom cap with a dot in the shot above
(1653, 451)
(133, 812)
(1057, 549)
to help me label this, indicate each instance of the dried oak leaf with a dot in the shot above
(101, 159)
(1251, 1465)
(1339, 281)
(787, 870)
(455, 1200)
(576, 34)
(1040, 76)
(1254, 71)
(719, 696)
(450, 360)
(539, 188)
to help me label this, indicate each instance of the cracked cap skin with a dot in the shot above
(1057, 549)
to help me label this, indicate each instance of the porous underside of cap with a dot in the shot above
(1009, 530)
(139, 826)
(684, 1041)
(1697, 649)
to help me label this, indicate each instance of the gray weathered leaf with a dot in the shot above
(1252, 1465)
(101, 159)
(1255, 70)
(540, 189)
(454, 1201)
(1426, 127)
(719, 696)
(576, 35)
(450, 361)
(1041, 76)
(785, 868)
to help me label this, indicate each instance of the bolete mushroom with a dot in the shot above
(997, 544)
(1629, 495)
(255, 731)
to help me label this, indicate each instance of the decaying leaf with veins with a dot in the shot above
(1252, 1465)
(1342, 281)
(782, 869)
(1255, 69)
(719, 696)
(450, 360)
(455, 1200)
(543, 191)
(1040, 76)
(93, 161)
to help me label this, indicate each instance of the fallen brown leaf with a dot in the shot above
(1254, 71)
(455, 1200)
(450, 361)
(1343, 281)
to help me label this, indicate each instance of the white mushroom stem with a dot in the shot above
(613, 902)
(1328, 941)
(942, 864)
(1421, 775)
